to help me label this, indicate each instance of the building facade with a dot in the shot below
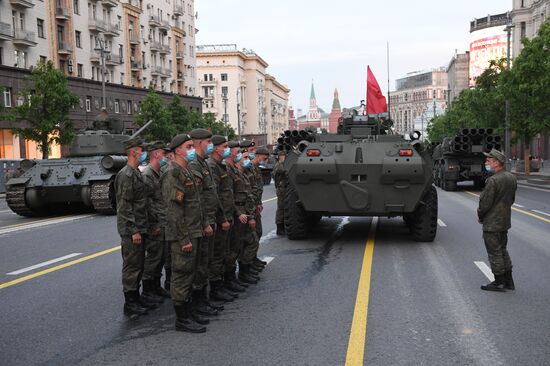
(145, 42)
(457, 75)
(414, 93)
(236, 87)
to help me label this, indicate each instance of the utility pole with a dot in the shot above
(225, 119)
(102, 51)
(238, 115)
(507, 138)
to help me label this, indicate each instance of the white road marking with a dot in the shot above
(516, 205)
(485, 269)
(3, 211)
(43, 264)
(32, 225)
(267, 259)
(441, 223)
(267, 237)
(343, 223)
(534, 188)
(269, 199)
(541, 212)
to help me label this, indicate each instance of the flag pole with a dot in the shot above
(388, 71)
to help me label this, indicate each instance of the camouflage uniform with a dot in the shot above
(226, 208)
(494, 212)
(131, 219)
(250, 236)
(184, 224)
(257, 182)
(209, 204)
(154, 250)
(279, 176)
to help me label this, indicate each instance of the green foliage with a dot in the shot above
(152, 108)
(45, 109)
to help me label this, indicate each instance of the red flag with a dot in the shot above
(376, 101)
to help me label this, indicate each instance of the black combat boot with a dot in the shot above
(168, 281)
(218, 293)
(201, 305)
(160, 291)
(228, 284)
(149, 292)
(260, 262)
(252, 271)
(509, 281)
(132, 306)
(144, 302)
(496, 285)
(232, 277)
(281, 229)
(245, 276)
(257, 267)
(184, 322)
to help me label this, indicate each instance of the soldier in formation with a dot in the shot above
(194, 211)
(279, 176)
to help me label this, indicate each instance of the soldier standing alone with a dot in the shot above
(132, 225)
(279, 176)
(494, 213)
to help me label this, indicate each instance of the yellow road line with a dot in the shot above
(57, 268)
(356, 346)
(35, 221)
(518, 210)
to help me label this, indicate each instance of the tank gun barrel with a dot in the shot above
(138, 132)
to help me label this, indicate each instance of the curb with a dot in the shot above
(545, 187)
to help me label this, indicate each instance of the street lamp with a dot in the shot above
(238, 114)
(225, 119)
(100, 47)
(507, 139)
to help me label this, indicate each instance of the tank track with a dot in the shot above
(15, 198)
(101, 198)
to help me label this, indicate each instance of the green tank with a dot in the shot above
(363, 170)
(83, 178)
(460, 157)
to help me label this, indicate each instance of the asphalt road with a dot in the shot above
(321, 301)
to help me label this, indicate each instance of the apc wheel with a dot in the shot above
(424, 225)
(449, 185)
(296, 218)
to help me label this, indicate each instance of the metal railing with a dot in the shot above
(65, 47)
(5, 29)
(23, 35)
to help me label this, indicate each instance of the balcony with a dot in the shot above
(154, 21)
(96, 25)
(22, 3)
(208, 82)
(110, 3)
(95, 57)
(178, 10)
(62, 13)
(135, 66)
(180, 76)
(113, 60)
(164, 25)
(111, 30)
(160, 71)
(5, 31)
(179, 55)
(135, 39)
(164, 48)
(154, 46)
(64, 48)
(22, 37)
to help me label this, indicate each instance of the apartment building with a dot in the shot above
(236, 87)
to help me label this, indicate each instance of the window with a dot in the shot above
(77, 39)
(224, 91)
(88, 103)
(40, 26)
(43, 59)
(62, 65)
(7, 97)
(117, 106)
(121, 78)
(224, 77)
(523, 30)
(20, 59)
(129, 107)
(1, 56)
(79, 68)
(76, 6)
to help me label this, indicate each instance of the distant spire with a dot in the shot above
(336, 101)
(312, 94)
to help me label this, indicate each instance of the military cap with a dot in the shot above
(495, 154)
(233, 144)
(135, 142)
(262, 150)
(218, 140)
(157, 145)
(178, 140)
(200, 133)
(246, 143)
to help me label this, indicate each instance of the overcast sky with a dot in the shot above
(332, 42)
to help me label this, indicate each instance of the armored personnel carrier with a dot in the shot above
(363, 170)
(460, 158)
(84, 177)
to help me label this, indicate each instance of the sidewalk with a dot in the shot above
(539, 179)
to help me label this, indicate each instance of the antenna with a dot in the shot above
(388, 70)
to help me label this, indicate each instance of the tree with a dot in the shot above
(527, 88)
(45, 109)
(153, 108)
(179, 115)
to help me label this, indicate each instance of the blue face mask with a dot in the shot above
(209, 149)
(226, 152)
(238, 157)
(488, 168)
(246, 163)
(142, 157)
(252, 156)
(191, 155)
(163, 162)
